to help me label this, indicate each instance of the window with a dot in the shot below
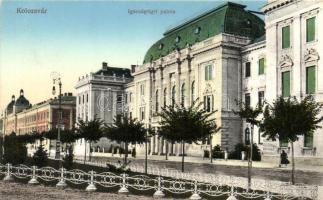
(285, 37)
(197, 30)
(79, 99)
(126, 98)
(87, 98)
(247, 69)
(157, 101)
(83, 99)
(310, 80)
(165, 97)
(283, 143)
(310, 29)
(142, 113)
(130, 97)
(183, 91)
(308, 140)
(173, 95)
(208, 103)
(247, 99)
(261, 66)
(208, 72)
(177, 39)
(261, 96)
(142, 89)
(193, 92)
(286, 84)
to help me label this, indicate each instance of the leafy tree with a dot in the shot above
(15, 152)
(186, 125)
(40, 157)
(287, 119)
(91, 131)
(126, 130)
(217, 152)
(251, 115)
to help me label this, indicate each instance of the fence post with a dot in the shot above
(61, 182)
(123, 189)
(91, 187)
(232, 197)
(8, 176)
(33, 179)
(195, 195)
(159, 193)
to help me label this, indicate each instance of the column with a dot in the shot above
(178, 83)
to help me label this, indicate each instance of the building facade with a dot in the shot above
(224, 55)
(22, 118)
(101, 95)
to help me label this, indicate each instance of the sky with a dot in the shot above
(73, 38)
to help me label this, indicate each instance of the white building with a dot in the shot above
(221, 56)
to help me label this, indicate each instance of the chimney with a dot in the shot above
(133, 68)
(104, 65)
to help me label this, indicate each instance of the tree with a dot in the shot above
(251, 115)
(287, 119)
(186, 125)
(91, 131)
(15, 151)
(126, 130)
(40, 157)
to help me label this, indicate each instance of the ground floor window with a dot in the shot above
(308, 140)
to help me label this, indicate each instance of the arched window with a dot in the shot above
(157, 101)
(183, 94)
(165, 97)
(193, 92)
(173, 95)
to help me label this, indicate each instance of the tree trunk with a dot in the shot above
(211, 153)
(84, 151)
(293, 164)
(166, 143)
(183, 153)
(90, 150)
(126, 153)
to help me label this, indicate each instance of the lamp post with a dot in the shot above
(57, 80)
(249, 143)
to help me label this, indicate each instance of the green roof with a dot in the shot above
(228, 18)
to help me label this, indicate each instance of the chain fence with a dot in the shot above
(166, 180)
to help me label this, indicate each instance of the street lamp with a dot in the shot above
(249, 143)
(57, 80)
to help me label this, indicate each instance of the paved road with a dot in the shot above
(281, 174)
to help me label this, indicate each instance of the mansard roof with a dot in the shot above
(111, 71)
(228, 18)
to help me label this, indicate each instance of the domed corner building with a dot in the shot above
(199, 59)
(21, 103)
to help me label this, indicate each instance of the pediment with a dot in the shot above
(311, 55)
(208, 89)
(285, 61)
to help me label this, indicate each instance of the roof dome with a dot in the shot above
(22, 101)
(228, 18)
(10, 105)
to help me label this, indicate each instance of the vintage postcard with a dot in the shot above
(161, 99)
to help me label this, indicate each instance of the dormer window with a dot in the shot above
(177, 39)
(197, 30)
(161, 45)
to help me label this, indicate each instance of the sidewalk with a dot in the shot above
(255, 164)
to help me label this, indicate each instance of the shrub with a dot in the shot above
(40, 157)
(206, 154)
(15, 152)
(217, 152)
(236, 154)
(68, 159)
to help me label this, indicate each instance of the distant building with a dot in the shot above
(22, 118)
(101, 95)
